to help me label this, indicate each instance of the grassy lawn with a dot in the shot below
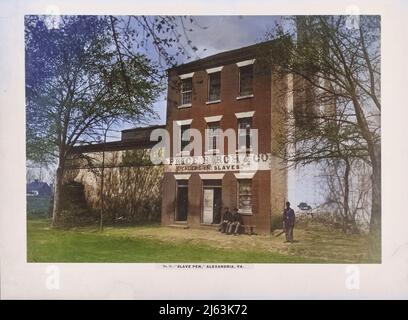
(162, 244)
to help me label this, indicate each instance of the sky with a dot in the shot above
(223, 33)
(215, 34)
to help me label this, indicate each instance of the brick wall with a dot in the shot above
(269, 188)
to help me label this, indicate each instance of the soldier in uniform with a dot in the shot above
(288, 222)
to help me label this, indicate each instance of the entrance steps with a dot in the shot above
(179, 226)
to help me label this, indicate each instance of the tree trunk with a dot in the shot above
(353, 226)
(346, 195)
(102, 181)
(102, 195)
(374, 151)
(58, 194)
(375, 220)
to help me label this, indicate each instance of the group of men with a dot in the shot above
(231, 222)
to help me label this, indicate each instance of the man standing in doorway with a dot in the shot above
(288, 222)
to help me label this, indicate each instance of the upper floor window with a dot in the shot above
(186, 91)
(246, 74)
(184, 132)
(244, 134)
(214, 86)
(213, 136)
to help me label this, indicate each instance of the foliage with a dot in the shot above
(74, 80)
(166, 36)
(77, 80)
(85, 73)
(74, 207)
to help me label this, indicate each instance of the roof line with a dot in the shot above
(225, 53)
(145, 128)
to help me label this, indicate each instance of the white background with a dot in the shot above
(263, 281)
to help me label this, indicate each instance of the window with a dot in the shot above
(245, 195)
(214, 86)
(245, 80)
(244, 134)
(184, 128)
(213, 136)
(186, 91)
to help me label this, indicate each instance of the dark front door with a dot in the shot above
(182, 201)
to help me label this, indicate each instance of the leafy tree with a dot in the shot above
(75, 79)
(86, 71)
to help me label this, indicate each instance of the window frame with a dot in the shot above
(209, 80)
(212, 151)
(184, 104)
(186, 142)
(240, 93)
(240, 210)
(248, 135)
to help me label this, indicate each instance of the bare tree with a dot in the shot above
(347, 193)
(335, 65)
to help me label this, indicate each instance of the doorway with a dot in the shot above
(212, 202)
(182, 201)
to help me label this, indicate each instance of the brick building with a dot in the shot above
(238, 89)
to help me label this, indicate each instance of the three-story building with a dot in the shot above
(238, 90)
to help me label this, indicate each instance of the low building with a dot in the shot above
(132, 185)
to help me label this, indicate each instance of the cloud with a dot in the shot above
(223, 33)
